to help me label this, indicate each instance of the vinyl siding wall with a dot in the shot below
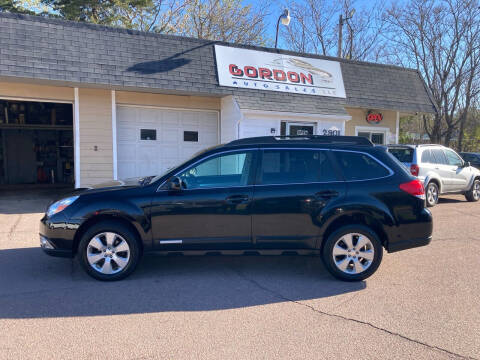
(96, 164)
(359, 119)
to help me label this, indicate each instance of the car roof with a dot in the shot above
(302, 141)
(414, 145)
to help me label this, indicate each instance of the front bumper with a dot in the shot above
(48, 247)
(57, 236)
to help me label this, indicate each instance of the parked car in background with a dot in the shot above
(473, 158)
(441, 170)
(339, 197)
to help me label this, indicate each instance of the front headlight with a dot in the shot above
(60, 205)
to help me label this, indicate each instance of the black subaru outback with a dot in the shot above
(340, 197)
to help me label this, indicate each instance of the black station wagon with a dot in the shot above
(338, 197)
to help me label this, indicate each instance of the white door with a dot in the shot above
(151, 141)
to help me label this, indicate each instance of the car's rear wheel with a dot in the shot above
(352, 253)
(109, 251)
(431, 194)
(474, 193)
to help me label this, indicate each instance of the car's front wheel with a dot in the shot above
(352, 253)
(474, 193)
(109, 251)
(431, 194)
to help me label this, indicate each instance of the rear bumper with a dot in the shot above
(408, 244)
(413, 233)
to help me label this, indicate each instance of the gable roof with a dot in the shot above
(80, 54)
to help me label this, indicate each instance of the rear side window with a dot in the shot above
(439, 156)
(427, 157)
(358, 166)
(402, 154)
(296, 167)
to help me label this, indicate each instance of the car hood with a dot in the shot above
(115, 185)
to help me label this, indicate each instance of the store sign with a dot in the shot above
(260, 70)
(374, 117)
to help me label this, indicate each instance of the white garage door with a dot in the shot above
(151, 141)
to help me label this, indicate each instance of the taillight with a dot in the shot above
(415, 188)
(414, 169)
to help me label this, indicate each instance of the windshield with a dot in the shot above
(404, 155)
(151, 179)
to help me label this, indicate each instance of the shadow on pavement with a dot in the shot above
(33, 285)
(450, 201)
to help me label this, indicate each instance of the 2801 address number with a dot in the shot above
(331, 132)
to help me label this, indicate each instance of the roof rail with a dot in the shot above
(320, 139)
(420, 145)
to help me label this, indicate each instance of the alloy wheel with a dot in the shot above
(432, 194)
(353, 253)
(108, 253)
(476, 190)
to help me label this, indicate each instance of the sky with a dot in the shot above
(276, 8)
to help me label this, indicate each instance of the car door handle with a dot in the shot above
(237, 199)
(327, 194)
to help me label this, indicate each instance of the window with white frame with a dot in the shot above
(376, 136)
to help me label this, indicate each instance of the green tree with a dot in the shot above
(17, 6)
(225, 20)
(105, 12)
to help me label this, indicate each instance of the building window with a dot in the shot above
(190, 136)
(375, 137)
(148, 134)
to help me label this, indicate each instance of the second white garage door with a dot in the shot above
(151, 141)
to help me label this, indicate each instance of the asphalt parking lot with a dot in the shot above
(422, 303)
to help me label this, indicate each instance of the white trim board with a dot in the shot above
(288, 115)
(165, 107)
(76, 137)
(370, 129)
(397, 127)
(114, 136)
(15, 98)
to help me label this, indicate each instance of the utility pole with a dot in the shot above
(351, 41)
(340, 36)
(341, 21)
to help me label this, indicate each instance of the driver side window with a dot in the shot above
(222, 170)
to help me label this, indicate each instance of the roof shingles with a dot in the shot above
(79, 53)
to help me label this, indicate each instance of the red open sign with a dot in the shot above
(374, 118)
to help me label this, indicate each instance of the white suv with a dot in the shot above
(441, 170)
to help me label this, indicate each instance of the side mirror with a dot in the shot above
(467, 164)
(175, 184)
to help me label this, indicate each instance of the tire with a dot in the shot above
(352, 261)
(431, 194)
(104, 262)
(474, 193)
